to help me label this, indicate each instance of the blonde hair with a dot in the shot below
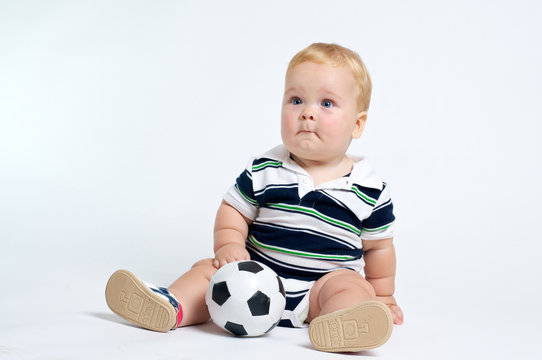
(336, 55)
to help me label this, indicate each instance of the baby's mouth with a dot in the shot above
(307, 133)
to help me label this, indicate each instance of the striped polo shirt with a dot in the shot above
(302, 231)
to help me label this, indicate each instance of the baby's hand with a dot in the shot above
(230, 253)
(396, 311)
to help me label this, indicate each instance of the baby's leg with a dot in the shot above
(160, 309)
(338, 290)
(344, 315)
(190, 291)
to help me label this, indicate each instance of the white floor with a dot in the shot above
(60, 314)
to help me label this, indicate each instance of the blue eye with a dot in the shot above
(296, 101)
(327, 103)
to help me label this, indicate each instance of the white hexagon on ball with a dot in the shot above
(246, 298)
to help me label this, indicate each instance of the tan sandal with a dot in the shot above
(365, 326)
(146, 305)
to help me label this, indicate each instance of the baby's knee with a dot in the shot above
(203, 262)
(206, 266)
(348, 280)
(358, 280)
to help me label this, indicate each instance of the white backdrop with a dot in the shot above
(122, 123)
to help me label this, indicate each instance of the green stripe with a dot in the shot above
(252, 201)
(363, 196)
(267, 163)
(317, 214)
(299, 253)
(377, 229)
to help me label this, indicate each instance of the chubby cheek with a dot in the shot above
(288, 124)
(333, 128)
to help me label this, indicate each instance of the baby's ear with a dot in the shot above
(359, 126)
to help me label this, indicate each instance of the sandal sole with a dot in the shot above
(361, 327)
(132, 300)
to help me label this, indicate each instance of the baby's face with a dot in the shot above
(319, 112)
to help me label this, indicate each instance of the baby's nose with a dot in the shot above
(307, 115)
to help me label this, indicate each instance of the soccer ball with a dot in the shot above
(245, 298)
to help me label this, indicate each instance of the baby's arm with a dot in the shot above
(379, 270)
(230, 233)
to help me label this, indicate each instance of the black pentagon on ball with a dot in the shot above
(250, 266)
(221, 293)
(259, 304)
(235, 329)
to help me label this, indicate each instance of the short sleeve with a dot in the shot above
(380, 224)
(241, 194)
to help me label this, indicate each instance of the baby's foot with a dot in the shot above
(144, 304)
(361, 327)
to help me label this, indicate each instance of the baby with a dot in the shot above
(307, 210)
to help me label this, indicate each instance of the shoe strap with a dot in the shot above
(173, 301)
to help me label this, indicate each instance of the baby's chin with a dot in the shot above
(306, 153)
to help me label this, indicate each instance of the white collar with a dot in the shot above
(362, 172)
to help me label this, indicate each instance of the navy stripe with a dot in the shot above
(308, 231)
(380, 217)
(276, 186)
(290, 271)
(293, 301)
(291, 304)
(298, 293)
(287, 270)
(286, 323)
(302, 241)
(244, 184)
(326, 205)
(278, 193)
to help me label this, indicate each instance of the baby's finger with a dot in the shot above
(397, 314)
